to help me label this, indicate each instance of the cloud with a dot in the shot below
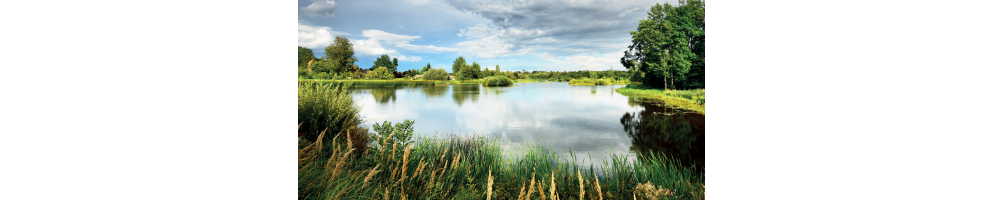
(321, 8)
(586, 62)
(315, 36)
(627, 12)
(548, 25)
(374, 45)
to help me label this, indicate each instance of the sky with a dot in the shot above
(552, 35)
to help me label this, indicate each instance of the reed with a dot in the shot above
(469, 167)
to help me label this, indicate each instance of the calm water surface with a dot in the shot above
(590, 120)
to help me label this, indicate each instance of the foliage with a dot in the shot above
(497, 81)
(340, 55)
(426, 68)
(598, 81)
(305, 56)
(330, 108)
(384, 61)
(381, 73)
(458, 64)
(693, 100)
(668, 45)
(435, 74)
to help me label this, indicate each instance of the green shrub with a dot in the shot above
(329, 107)
(380, 73)
(497, 81)
(437, 74)
(322, 75)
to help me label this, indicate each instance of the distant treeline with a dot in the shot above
(567, 76)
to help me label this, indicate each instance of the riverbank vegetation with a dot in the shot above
(598, 81)
(497, 81)
(692, 100)
(340, 159)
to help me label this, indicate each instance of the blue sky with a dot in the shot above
(562, 35)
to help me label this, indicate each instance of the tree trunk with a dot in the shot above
(672, 81)
(308, 66)
(665, 83)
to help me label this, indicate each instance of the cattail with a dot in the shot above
(531, 183)
(370, 176)
(456, 160)
(522, 190)
(393, 152)
(407, 151)
(491, 181)
(540, 189)
(581, 186)
(598, 188)
(553, 187)
(386, 193)
(341, 163)
(336, 197)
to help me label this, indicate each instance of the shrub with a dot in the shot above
(322, 75)
(380, 73)
(330, 107)
(497, 81)
(437, 74)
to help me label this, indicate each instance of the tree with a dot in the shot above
(305, 56)
(426, 68)
(380, 73)
(341, 55)
(384, 61)
(476, 70)
(497, 68)
(435, 74)
(395, 66)
(458, 63)
(667, 44)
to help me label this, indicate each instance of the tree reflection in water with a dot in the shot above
(676, 133)
(434, 91)
(463, 93)
(384, 95)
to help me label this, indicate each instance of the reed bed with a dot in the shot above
(471, 167)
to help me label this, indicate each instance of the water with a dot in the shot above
(590, 120)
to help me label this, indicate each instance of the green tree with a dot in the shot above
(497, 68)
(305, 56)
(384, 61)
(380, 73)
(435, 74)
(341, 55)
(458, 63)
(476, 70)
(667, 44)
(395, 66)
(426, 68)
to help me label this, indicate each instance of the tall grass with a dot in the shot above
(452, 167)
(329, 107)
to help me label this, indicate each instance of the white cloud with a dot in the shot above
(377, 38)
(321, 8)
(316, 36)
(587, 62)
(628, 11)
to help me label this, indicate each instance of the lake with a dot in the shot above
(590, 120)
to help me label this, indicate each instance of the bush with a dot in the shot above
(322, 75)
(330, 107)
(380, 73)
(497, 81)
(437, 74)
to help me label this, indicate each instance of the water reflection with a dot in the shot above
(463, 93)
(434, 91)
(676, 133)
(384, 94)
(582, 120)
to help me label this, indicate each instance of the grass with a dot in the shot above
(692, 100)
(469, 167)
(598, 81)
